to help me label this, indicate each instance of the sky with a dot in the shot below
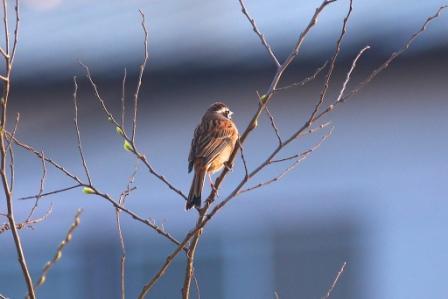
(107, 33)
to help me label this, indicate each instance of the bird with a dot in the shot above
(213, 142)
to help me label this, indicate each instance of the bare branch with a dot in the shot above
(315, 129)
(265, 99)
(384, 65)
(6, 26)
(155, 227)
(96, 191)
(135, 151)
(16, 31)
(140, 77)
(348, 76)
(306, 80)
(332, 65)
(203, 217)
(29, 223)
(198, 291)
(298, 158)
(110, 116)
(41, 187)
(6, 56)
(60, 248)
(151, 169)
(4, 150)
(9, 148)
(78, 134)
(274, 126)
(123, 99)
(333, 285)
(394, 55)
(258, 32)
(246, 172)
(51, 192)
(40, 156)
(121, 202)
(189, 269)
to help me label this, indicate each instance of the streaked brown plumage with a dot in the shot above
(213, 141)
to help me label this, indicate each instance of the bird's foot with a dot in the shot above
(228, 166)
(215, 190)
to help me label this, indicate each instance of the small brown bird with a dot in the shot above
(213, 141)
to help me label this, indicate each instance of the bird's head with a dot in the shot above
(220, 108)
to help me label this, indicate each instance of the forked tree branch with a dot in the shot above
(122, 131)
(121, 202)
(204, 216)
(93, 190)
(7, 149)
(28, 223)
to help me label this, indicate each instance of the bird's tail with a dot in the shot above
(194, 197)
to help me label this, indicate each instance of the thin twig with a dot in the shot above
(60, 248)
(140, 77)
(243, 158)
(95, 191)
(162, 178)
(78, 134)
(6, 56)
(41, 187)
(391, 58)
(5, 25)
(306, 80)
(109, 115)
(121, 202)
(298, 158)
(332, 65)
(155, 227)
(135, 151)
(258, 32)
(27, 223)
(51, 192)
(333, 285)
(274, 126)
(16, 31)
(198, 290)
(190, 268)
(123, 98)
(348, 76)
(9, 148)
(40, 156)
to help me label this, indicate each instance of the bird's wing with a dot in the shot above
(210, 138)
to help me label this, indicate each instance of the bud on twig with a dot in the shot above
(88, 190)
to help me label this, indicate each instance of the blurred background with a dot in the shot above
(373, 195)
